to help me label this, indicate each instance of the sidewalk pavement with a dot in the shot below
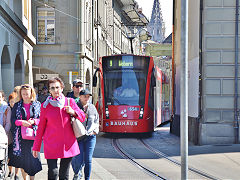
(221, 160)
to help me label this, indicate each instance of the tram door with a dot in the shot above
(158, 97)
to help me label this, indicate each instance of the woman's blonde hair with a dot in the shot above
(27, 87)
(17, 89)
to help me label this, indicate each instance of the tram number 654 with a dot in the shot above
(133, 109)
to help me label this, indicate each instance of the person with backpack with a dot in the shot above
(88, 142)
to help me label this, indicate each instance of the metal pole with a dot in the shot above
(236, 111)
(184, 90)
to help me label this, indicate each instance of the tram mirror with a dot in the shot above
(153, 79)
(94, 81)
(95, 77)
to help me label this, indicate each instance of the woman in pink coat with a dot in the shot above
(56, 131)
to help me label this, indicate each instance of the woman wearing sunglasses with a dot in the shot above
(55, 130)
(26, 113)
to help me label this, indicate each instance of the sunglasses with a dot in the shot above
(77, 86)
(25, 87)
(53, 88)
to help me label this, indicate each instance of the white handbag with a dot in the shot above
(78, 128)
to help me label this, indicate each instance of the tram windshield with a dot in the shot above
(125, 79)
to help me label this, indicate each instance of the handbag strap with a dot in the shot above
(87, 114)
(68, 100)
(68, 103)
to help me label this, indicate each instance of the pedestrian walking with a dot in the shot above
(77, 87)
(44, 94)
(75, 93)
(88, 142)
(11, 101)
(56, 131)
(25, 113)
(5, 114)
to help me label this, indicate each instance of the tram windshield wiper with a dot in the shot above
(115, 99)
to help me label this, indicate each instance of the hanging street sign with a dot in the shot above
(73, 73)
(42, 77)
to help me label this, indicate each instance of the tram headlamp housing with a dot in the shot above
(141, 113)
(107, 113)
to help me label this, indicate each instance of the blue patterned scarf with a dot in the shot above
(56, 102)
(22, 114)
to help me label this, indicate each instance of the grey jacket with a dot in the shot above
(92, 122)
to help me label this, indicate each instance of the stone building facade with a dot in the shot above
(213, 99)
(61, 34)
(16, 44)
(71, 36)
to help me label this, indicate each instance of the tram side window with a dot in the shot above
(151, 92)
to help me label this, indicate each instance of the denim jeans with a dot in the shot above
(86, 147)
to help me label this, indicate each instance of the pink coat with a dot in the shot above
(56, 132)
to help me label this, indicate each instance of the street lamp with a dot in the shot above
(143, 36)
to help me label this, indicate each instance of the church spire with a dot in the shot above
(156, 25)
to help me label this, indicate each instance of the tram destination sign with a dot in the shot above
(42, 77)
(125, 62)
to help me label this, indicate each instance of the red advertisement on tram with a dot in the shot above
(127, 89)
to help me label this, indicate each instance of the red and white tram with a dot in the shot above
(129, 94)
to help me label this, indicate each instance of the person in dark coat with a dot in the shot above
(77, 87)
(44, 94)
(11, 101)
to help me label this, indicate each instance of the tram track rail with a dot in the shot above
(128, 157)
(177, 163)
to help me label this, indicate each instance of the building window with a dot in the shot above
(89, 26)
(105, 14)
(26, 9)
(45, 26)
